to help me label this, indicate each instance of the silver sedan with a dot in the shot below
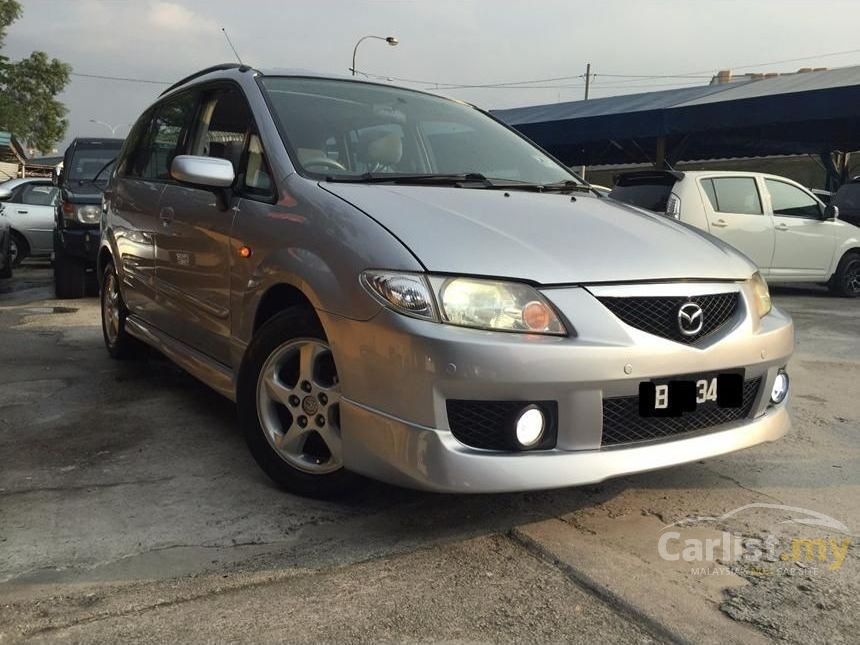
(29, 206)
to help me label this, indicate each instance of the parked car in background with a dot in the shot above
(774, 221)
(29, 205)
(847, 200)
(395, 284)
(5, 247)
(824, 196)
(85, 173)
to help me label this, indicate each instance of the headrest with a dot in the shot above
(387, 150)
(309, 154)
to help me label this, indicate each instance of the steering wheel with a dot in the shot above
(325, 162)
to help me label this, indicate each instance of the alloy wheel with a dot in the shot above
(852, 277)
(13, 251)
(110, 308)
(298, 405)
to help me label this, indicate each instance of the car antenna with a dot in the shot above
(229, 42)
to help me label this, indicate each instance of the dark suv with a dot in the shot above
(86, 170)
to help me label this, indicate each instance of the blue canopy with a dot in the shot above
(812, 112)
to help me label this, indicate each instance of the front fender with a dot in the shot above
(315, 242)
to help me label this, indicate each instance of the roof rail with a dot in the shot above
(214, 68)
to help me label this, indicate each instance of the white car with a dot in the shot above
(777, 223)
(29, 205)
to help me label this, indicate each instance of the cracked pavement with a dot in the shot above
(130, 508)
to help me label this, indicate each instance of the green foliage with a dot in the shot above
(28, 90)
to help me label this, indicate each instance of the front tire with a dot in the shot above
(846, 281)
(289, 406)
(119, 343)
(19, 249)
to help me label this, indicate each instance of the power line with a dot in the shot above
(654, 75)
(631, 79)
(120, 78)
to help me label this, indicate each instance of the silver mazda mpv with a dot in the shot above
(394, 284)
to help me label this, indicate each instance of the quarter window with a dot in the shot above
(791, 201)
(257, 177)
(733, 195)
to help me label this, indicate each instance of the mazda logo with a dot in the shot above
(690, 319)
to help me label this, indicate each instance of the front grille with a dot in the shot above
(622, 423)
(658, 315)
(489, 425)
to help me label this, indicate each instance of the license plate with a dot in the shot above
(672, 398)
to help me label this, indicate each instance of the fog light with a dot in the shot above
(530, 427)
(780, 388)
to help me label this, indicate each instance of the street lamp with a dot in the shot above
(112, 128)
(391, 40)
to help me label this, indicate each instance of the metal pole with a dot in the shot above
(587, 86)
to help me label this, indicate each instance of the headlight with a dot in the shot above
(83, 213)
(502, 306)
(761, 295)
(467, 302)
(407, 293)
(88, 213)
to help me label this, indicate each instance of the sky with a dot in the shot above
(477, 42)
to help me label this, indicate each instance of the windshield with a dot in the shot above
(87, 161)
(347, 129)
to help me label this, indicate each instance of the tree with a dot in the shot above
(28, 91)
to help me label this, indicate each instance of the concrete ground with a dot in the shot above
(131, 511)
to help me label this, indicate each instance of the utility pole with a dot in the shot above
(587, 87)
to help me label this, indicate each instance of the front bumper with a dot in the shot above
(397, 374)
(82, 243)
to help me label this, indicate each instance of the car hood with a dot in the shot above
(85, 194)
(543, 238)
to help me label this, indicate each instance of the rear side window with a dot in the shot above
(791, 201)
(733, 195)
(652, 194)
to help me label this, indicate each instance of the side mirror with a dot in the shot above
(831, 212)
(206, 172)
(5, 193)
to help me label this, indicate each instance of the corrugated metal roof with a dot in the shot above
(684, 97)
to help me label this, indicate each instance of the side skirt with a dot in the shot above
(200, 366)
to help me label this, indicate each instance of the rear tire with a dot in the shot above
(70, 275)
(289, 406)
(21, 249)
(846, 281)
(119, 343)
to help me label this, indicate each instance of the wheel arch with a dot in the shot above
(852, 247)
(105, 256)
(277, 298)
(23, 238)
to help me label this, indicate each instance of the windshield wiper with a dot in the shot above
(95, 178)
(568, 185)
(416, 179)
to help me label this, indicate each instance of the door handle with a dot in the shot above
(720, 223)
(166, 215)
(23, 212)
(781, 227)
